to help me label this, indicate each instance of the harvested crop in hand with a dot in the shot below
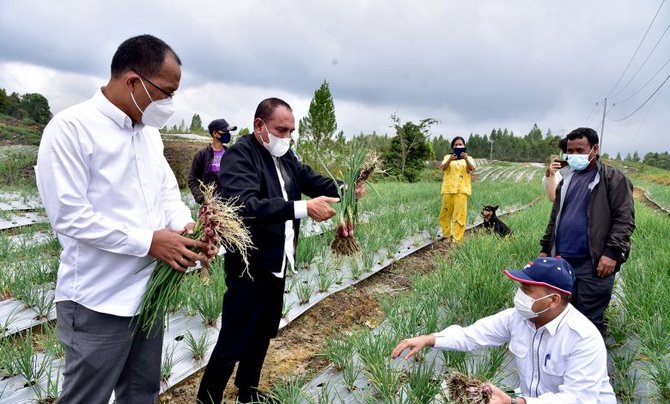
(360, 167)
(218, 224)
(464, 390)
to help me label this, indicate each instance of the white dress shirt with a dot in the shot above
(565, 361)
(299, 211)
(106, 187)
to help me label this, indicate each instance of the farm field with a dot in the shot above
(398, 219)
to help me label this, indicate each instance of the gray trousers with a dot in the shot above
(105, 353)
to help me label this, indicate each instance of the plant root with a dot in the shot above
(345, 246)
(463, 390)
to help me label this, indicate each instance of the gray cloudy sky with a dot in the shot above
(473, 65)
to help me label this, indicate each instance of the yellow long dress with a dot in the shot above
(456, 190)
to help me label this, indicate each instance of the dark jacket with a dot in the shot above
(251, 177)
(611, 214)
(198, 172)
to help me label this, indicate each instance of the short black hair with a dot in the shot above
(144, 53)
(455, 139)
(590, 135)
(563, 145)
(267, 107)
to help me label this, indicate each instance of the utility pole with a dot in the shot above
(602, 126)
(491, 155)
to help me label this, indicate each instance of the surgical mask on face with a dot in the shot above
(578, 162)
(524, 304)
(277, 146)
(158, 112)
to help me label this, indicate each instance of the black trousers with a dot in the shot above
(250, 318)
(591, 294)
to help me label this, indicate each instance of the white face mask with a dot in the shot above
(158, 112)
(277, 146)
(524, 304)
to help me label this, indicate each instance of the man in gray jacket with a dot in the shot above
(591, 223)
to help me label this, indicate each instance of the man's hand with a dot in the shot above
(211, 251)
(498, 396)
(464, 155)
(170, 246)
(319, 208)
(542, 255)
(606, 266)
(414, 344)
(553, 167)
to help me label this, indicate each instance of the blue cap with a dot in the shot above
(551, 272)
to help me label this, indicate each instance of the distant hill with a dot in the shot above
(15, 131)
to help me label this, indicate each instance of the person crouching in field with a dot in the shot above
(559, 354)
(456, 190)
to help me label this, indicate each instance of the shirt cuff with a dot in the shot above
(300, 209)
(139, 242)
(440, 341)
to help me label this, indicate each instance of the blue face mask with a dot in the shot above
(578, 162)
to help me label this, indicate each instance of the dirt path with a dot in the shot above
(295, 350)
(638, 194)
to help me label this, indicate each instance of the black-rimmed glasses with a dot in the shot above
(169, 94)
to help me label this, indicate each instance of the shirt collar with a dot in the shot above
(113, 112)
(555, 324)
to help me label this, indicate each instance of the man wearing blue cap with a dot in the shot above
(560, 355)
(207, 161)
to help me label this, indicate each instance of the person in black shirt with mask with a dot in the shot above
(207, 161)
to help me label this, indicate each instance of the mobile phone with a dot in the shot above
(560, 161)
(458, 151)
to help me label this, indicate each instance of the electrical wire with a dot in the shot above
(643, 63)
(645, 84)
(644, 103)
(651, 106)
(588, 118)
(636, 50)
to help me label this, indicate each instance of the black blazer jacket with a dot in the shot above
(248, 174)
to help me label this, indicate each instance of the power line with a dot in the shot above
(588, 118)
(644, 103)
(636, 50)
(651, 106)
(645, 84)
(643, 63)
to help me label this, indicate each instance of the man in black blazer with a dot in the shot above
(268, 183)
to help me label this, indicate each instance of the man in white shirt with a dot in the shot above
(560, 355)
(115, 206)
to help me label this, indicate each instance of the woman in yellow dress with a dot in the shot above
(456, 190)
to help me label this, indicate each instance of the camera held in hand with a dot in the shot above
(458, 151)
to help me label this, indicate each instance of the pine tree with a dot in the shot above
(316, 130)
(196, 124)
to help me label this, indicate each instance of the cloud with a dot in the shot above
(471, 65)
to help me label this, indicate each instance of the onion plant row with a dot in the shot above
(399, 210)
(639, 316)
(659, 193)
(469, 285)
(464, 287)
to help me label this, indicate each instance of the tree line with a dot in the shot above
(32, 106)
(406, 152)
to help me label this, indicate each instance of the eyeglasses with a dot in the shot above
(169, 94)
